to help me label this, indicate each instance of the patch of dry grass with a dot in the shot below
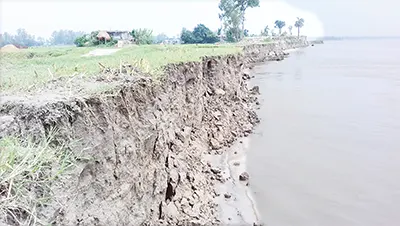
(33, 67)
(27, 173)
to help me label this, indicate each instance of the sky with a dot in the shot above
(322, 17)
(354, 17)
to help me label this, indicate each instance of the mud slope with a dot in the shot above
(146, 142)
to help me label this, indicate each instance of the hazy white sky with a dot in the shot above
(41, 17)
(323, 17)
(355, 17)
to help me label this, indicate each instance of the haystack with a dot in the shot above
(103, 35)
(10, 48)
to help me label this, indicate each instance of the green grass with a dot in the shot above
(34, 67)
(27, 173)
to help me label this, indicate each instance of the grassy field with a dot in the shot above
(34, 67)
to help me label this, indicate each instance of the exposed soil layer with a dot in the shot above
(146, 141)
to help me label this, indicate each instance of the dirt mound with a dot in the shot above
(10, 48)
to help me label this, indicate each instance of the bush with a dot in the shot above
(92, 40)
(187, 36)
(28, 174)
(80, 41)
(111, 43)
(200, 35)
(143, 36)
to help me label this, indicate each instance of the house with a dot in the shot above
(103, 35)
(120, 35)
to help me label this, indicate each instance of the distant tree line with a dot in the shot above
(232, 16)
(64, 37)
(143, 36)
(280, 24)
(23, 39)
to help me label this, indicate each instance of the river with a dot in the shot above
(327, 150)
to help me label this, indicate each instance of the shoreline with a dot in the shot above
(241, 207)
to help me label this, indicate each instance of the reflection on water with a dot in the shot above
(327, 151)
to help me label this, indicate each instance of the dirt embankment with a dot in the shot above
(145, 143)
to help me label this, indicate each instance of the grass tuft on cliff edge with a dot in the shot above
(28, 171)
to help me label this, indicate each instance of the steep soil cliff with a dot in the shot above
(142, 144)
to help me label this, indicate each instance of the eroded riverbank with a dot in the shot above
(142, 146)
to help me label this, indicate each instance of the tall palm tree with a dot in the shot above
(299, 24)
(280, 24)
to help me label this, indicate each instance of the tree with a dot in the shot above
(41, 41)
(233, 34)
(280, 24)
(142, 36)
(230, 17)
(246, 33)
(187, 36)
(6, 39)
(290, 30)
(160, 38)
(21, 39)
(24, 39)
(265, 31)
(200, 34)
(299, 24)
(219, 31)
(64, 37)
(204, 35)
(81, 41)
(87, 40)
(243, 5)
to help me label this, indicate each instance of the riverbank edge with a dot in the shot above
(237, 204)
(201, 107)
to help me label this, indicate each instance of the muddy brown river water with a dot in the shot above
(327, 151)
